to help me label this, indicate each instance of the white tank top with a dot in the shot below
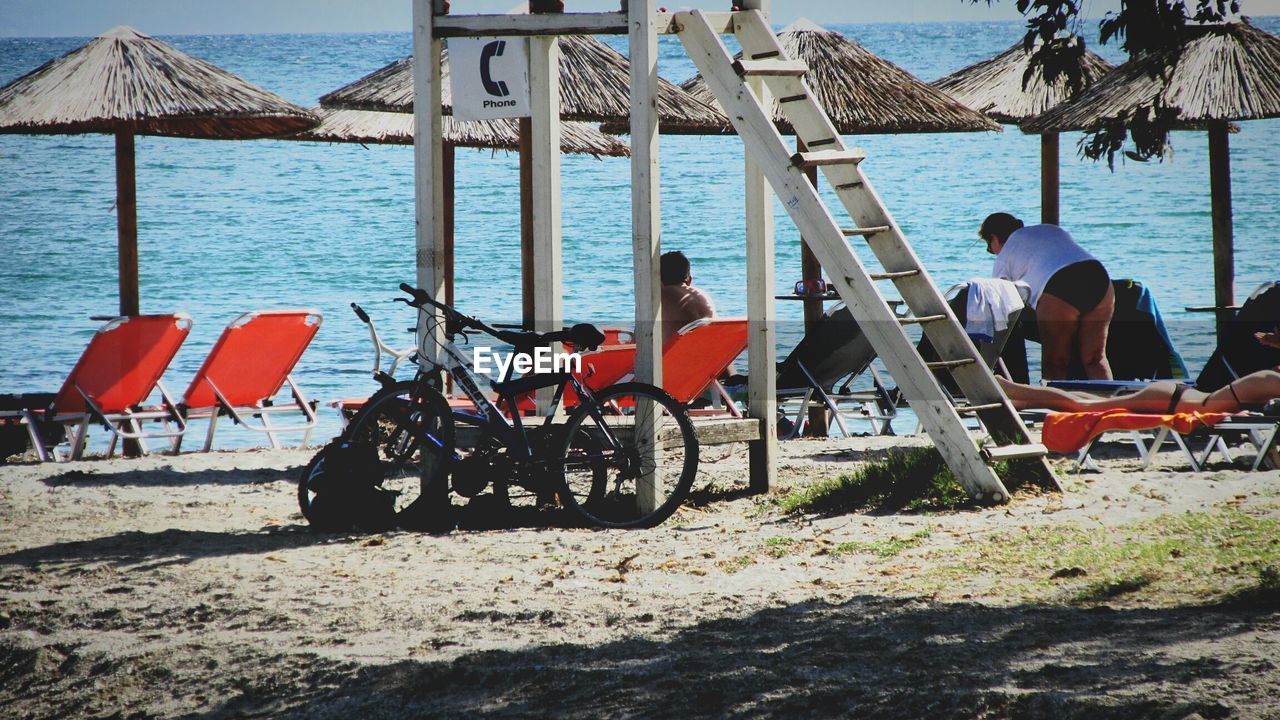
(1034, 253)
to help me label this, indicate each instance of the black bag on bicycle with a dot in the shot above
(341, 488)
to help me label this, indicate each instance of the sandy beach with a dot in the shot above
(191, 587)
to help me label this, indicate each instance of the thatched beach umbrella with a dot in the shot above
(126, 83)
(395, 128)
(1217, 74)
(995, 86)
(595, 86)
(863, 93)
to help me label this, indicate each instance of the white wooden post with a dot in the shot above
(433, 252)
(544, 110)
(762, 320)
(428, 166)
(646, 216)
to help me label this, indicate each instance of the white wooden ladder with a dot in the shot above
(764, 63)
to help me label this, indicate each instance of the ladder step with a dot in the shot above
(921, 319)
(824, 141)
(894, 275)
(792, 98)
(805, 160)
(758, 68)
(1014, 452)
(864, 231)
(978, 408)
(948, 364)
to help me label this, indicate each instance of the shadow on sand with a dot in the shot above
(867, 657)
(169, 477)
(135, 550)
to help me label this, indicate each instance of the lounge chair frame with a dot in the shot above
(124, 423)
(263, 407)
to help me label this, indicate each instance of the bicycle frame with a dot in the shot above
(510, 432)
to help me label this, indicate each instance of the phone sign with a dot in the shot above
(489, 78)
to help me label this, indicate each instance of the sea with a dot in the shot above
(226, 227)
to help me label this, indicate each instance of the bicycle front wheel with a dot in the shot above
(411, 426)
(629, 459)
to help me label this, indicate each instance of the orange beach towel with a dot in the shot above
(1068, 432)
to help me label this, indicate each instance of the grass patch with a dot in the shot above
(1193, 558)
(914, 480)
(884, 548)
(733, 565)
(781, 546)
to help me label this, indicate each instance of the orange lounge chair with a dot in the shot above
(1072, 432)
(691, 360)
(247, 367)
(695, 356)
(108, 385)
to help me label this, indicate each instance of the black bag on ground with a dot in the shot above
(341, 488)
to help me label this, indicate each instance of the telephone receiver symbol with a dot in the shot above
(490, 51)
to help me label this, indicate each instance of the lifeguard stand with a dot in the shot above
(746, 89)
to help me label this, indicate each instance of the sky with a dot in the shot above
(84, 18)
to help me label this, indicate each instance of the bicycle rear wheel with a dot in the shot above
(411, 428)
(632, 464)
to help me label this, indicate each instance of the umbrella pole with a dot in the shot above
(526, 222)
(1224, 270)
(1049, 179)
(127, 241)
(811, 269)
(447, 161)
(127, 223)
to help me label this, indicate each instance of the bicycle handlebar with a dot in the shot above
(360, 313)
(584, 336)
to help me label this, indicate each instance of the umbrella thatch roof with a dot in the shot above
(862, 92)
(369, 126)
(595, 86)
(123, 80)
(994, 86)
(1219, 72)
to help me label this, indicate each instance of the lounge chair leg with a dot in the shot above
(135, 427)
(37, 443)
(1197, 464)
(836, 415)
(1149, 453)
(1084, 461)
(802, 415)
(271, 436)
(1268, 451)
(213, 426)
(1225, 449)
(80, 440)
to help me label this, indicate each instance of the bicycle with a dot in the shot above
(625, 456)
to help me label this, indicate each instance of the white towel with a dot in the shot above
(991, 302)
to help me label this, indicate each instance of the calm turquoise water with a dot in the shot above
(226, 227)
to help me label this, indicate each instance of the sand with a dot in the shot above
(191, 587)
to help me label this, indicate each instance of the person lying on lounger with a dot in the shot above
(1162, 397)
